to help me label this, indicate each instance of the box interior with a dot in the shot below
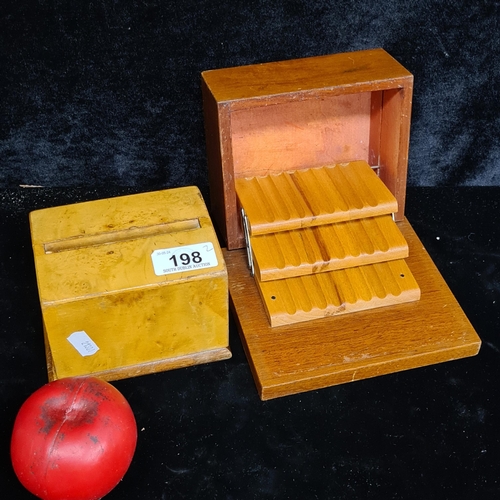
(310, 133)
(274, 117)
(300, 133)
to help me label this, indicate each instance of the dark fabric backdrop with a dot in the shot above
(108, 92)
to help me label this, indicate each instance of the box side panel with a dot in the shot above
(213, 144)
(394, 142)
(140, 326)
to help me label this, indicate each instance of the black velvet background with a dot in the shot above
(108, 92)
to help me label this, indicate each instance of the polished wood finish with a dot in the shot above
(321, 238)
(301, 252)
(305, 356)
(268, 119)
(322, 294)
(305, 113)
(313, 197)
(95, 274)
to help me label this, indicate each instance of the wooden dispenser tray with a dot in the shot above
(130, 285)
(322, 242)
(277, 131)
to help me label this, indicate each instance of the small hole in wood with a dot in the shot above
(273, 297)
(402, 275)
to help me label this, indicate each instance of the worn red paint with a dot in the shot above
(73, 439)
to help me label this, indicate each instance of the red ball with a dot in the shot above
(73, 439)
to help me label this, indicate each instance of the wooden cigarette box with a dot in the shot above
(277, 134)
(130, 285)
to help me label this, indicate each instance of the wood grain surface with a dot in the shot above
(306, 356)
(313, 197)
(95, 274)
(326, 248)
(292, 115)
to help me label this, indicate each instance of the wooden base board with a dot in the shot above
(296, 358)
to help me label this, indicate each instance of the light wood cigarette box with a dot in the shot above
(130, 285)
(302, 118)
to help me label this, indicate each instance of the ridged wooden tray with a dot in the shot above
(322, 241)
(330, 247)
(313, 197)
(318, 295)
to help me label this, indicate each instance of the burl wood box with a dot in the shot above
(130, 285)
(270, 129)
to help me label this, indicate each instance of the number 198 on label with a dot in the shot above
(184, 258)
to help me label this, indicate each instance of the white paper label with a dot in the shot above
(83, 343)
(185, 258)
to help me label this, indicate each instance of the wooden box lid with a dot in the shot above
(304, 113)
(103, 246)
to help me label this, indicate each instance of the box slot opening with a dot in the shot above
(132, 233)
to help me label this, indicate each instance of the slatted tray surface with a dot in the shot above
(319, 295)
(313, 197)
(330, 247)
(323, 242)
